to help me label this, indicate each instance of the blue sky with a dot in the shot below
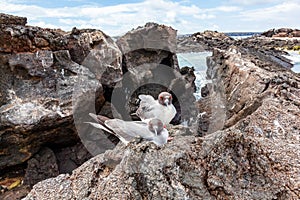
(186, 16)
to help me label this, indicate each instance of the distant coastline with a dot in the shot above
(230, 34)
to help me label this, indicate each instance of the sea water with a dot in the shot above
(198, 61)
(294, 56)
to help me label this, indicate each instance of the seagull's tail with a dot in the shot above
(99, 126)
(134, 114)
(100, 122)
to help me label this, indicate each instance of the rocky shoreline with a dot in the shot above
(242, 139)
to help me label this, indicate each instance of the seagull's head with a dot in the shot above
(165, 98)
(155, 126)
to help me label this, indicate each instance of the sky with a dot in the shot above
(187, 16)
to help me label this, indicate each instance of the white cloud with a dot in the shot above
(253, 2)
(204, 16)
(224, 9)
(284, 12)
(115, 19)
(183, 16)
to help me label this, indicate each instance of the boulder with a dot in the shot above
(49, 80)
(150, 66)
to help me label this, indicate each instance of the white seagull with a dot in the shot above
(162, 108)
(152, 130)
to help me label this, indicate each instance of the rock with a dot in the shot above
(150, 66)
(99, 53)
(50, 79)
(12, 20)
(41, 166)
(187, 43)
(254, 155)
(145, 48)
(269, 48)
(204, 91)
(296, 33)
(17, 193)
(281, 35)
(69, 158)
(269, 33)
(188, 167)
(248, 85)
(213, 39)
(282, 32)
(189, 75)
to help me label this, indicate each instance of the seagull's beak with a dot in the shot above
(166, 101)
(155, 129)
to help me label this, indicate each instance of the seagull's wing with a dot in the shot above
(147, 106)
(147, 98)
(129, 130)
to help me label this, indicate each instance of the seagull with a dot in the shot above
(162, 108)
(152, 129)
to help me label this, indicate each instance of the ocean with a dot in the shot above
(198, 61)
(294, 56)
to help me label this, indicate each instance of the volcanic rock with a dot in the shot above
(213, 39)
(150, 66)
(282, 32)
(10, 19)
(41, 166)
(254, 154)
(46, 76)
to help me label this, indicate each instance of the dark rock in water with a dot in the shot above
(204, 91)
(12, 20)
(282, 32)
(189, 75)
(295, 33)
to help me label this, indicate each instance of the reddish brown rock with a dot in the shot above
(44, 79)
(12, 20)
(296, 33)
(282, 32)
(281, 35)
